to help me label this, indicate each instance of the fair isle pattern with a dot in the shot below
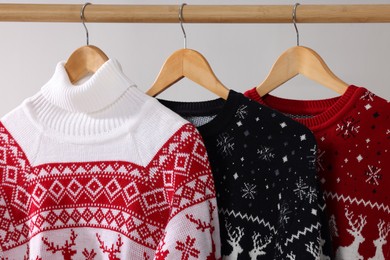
(297, 236)
(356, 180)
(365, 203)
(119, 196)
(267, 191)
(247, 217)
(303, 233)
(353, 166)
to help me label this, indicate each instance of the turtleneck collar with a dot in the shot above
(102, 89)
(99, 108)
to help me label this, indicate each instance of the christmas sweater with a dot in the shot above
(102, 171)
(263, 166)
(353, 164)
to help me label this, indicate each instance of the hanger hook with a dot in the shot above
(294, 16)
(83, 21)
(181, 24)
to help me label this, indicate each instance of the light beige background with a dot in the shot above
(240, 54)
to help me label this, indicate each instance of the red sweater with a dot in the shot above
(353, 165)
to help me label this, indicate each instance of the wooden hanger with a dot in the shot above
(83, 61)
(304, 61)
(192, 65)
(86, 59)
(300, 60)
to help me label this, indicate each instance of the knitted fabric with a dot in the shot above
(264, 169)
(353, 165)
(102, 171)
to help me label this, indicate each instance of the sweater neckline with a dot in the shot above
(223, 110)
(103, 87)
(315, 114)
(102, 107)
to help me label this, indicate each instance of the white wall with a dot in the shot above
(240, 54)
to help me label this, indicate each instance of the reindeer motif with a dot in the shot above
(381, 240)
(111, 251)
(234, 239)
(316, 249)
(66, 250)
(259, 245)
(351, 251)
(322, 256)
(291, 256)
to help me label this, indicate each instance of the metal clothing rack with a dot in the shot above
(369, 13)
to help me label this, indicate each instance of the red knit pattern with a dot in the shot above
(133, 200)
(353, 163)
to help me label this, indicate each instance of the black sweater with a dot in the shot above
(263, 164)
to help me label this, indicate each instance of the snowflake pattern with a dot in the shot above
(225, 144)
(249, 191)
(300, 190)
(187, 248)
(368, 96)
(242, 112)
(348, 127)
(312, 195)
(373, 175)
(265, 153)
(283, 216)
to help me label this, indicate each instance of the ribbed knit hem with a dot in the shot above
(317, 114)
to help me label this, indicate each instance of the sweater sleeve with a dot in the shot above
(192, 229)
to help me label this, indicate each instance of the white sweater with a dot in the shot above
(102, 171)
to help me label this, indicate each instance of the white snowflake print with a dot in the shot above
(242, 112)
(249, 191)
(265, 153)
(301, 188)
(225, 144)
(348, 127)
(283, 216)
(311, 194)
(368, 96)
(373, 175)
